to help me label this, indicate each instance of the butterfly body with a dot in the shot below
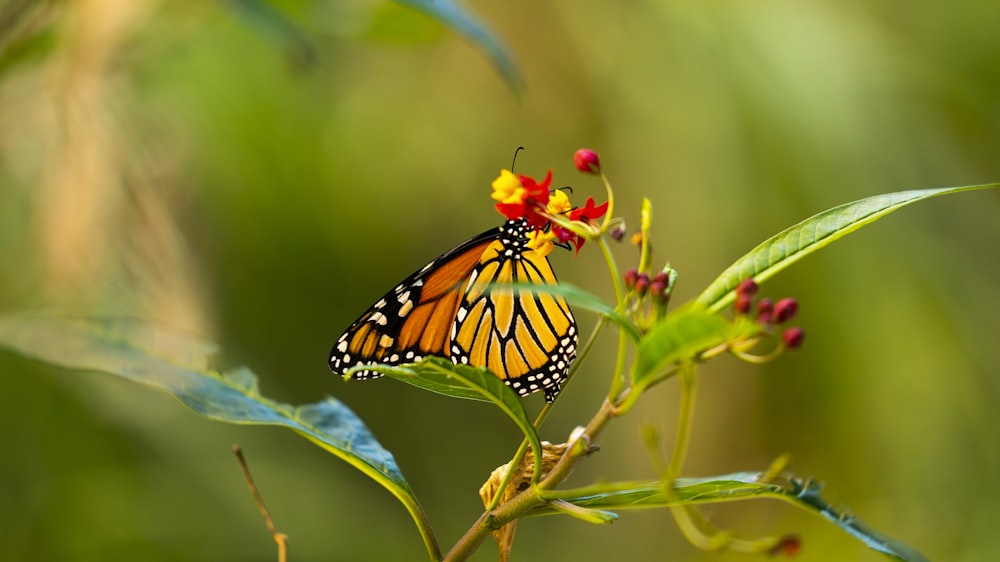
(456, 307)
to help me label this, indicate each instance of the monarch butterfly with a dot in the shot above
(449, 309)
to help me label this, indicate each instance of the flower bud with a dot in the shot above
(661, 277)
(642, 284)
(742, 304)
(765, 310)
(617, 232)
(630, 276)
(747, 287)
(785, 309)
(793, 337)
(587, 161)
(658, 288)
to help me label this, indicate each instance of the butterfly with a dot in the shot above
(452, 308)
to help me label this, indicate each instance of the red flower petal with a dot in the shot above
(589, 211)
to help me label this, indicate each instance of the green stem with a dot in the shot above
(609, 215)
(685, 414)
(563, 467)
(618, 378)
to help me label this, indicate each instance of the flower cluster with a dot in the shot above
(769, 313)
(658, 287)
(524, 197)
(648, 297)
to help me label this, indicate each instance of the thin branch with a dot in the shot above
(280, 538)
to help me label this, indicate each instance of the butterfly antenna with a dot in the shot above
(514, 159)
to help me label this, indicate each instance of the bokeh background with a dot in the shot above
(193, 164)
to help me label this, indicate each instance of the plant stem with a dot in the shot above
(617, 379)
(532, 497)
(688, 373)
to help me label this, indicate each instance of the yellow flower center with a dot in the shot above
(541, 242)
(507, 188)
(558, 203)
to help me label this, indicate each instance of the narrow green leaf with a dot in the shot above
(179, 365)
(594, 516)
(462, 381)
(650, 494)
(454, 15)
(681, 336)
(804, 494)
(800, 240)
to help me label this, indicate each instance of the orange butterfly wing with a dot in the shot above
(449, 308)
(528, 339)
(415, 318)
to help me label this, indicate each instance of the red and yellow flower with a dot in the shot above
(523, 197)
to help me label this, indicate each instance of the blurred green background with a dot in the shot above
(182, 162)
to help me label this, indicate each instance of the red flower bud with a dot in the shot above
(793, 337)
(747, 287)
(658, 289)
(642, 284)
(788, 546)
(587, 161)
(742, 304)
(765, 310)
(630, 276)
(784, 310)
(661, 277)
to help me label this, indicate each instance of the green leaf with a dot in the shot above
(463, 381)
(594, 516)
(681, 336)
(650, 494)
(804, 494)
(179, 365)
(452, 14)
(796, 242)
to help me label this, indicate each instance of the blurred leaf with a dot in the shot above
(392, 22)
(729, 487)
(178, 365)
(275, 26)
(452, 14)
(681, 336)
(804, 238)
(463, 381)
(25, 32)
